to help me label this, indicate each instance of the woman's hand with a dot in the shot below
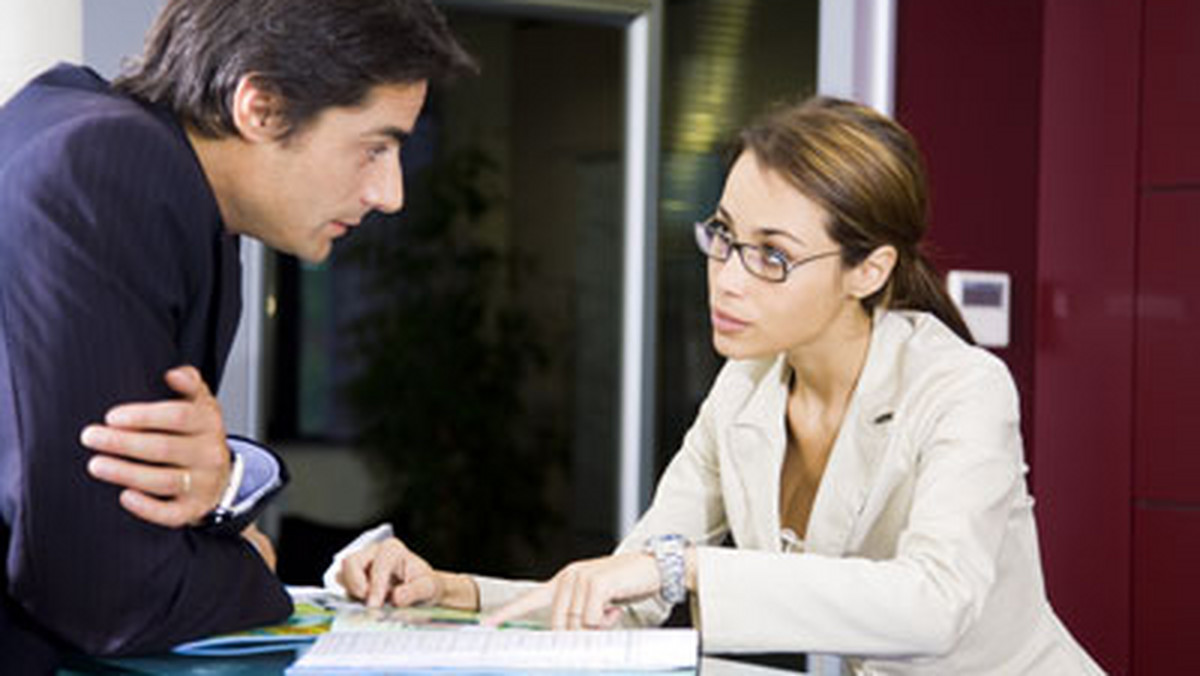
(584, 594)
(389, 571)
(170, 456)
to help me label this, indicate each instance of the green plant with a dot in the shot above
(445, 356)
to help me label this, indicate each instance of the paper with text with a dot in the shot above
(513, 650)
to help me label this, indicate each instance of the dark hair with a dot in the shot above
(865, 171)
(315, 54)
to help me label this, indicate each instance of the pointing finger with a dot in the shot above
(384, 569)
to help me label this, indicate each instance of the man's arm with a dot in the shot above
(173, 459)
(99, 299)
(170, 456)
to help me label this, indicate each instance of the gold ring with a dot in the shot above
(187, 482)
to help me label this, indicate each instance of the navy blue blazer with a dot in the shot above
(114, 267)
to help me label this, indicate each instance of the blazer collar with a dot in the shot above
(758, 441)
(862, 440)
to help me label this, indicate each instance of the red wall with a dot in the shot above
(976, 120)
(1028, 113)
(1084, 359)
(1063, 140)
(1166, 554)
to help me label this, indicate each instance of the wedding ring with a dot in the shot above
(187, 483)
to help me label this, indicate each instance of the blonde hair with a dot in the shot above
(866, 172)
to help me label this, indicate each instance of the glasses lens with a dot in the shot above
(710, 242)
(703, 237)
(757, 264)
(764, 265)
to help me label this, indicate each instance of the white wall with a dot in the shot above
(857, 51)
(113, 31)
(34, 35)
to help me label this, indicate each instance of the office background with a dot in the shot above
(1063, 148)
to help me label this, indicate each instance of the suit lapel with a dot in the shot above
(861, 442)
(757, 441)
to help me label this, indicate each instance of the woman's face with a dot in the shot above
(753, 317)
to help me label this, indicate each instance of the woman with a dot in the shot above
(862, 454)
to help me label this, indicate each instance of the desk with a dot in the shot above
(276, 663)
(723, 666)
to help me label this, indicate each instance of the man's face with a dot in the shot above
(309, 189)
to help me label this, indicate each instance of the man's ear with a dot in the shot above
(257, 111)
(872, 273)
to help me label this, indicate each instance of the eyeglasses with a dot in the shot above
(764, 262)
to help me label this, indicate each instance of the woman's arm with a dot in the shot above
(966, 474)
(623, 588)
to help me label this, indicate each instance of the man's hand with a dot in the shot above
(170, 455)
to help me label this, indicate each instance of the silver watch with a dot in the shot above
(668, 554)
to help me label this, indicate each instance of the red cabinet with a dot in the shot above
(1167, 401)
(1166, 448)
(1171, 93)
(1105, 255)
(1166, 617)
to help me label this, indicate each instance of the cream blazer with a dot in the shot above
(921, 555)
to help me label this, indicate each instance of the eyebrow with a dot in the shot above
(391, 131)
(765, 232)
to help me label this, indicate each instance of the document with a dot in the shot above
(337, 637)
(498, 650)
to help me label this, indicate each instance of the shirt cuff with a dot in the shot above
(263, 475)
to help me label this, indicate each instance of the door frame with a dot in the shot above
(641, 21)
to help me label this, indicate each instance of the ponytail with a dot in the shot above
(915, 285)
(866, 172)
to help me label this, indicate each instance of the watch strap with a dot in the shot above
(668, 552)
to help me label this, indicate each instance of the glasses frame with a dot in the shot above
(706, 230)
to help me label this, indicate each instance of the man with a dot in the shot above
(120, 211)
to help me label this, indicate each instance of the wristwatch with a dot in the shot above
(668, 554)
